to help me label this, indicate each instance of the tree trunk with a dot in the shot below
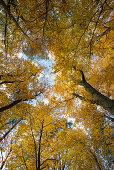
(39, 148)
(99, 98)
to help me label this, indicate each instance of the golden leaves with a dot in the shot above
(79, 34)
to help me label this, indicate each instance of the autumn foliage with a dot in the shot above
(56, 84)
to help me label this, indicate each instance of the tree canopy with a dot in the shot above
(56, 84)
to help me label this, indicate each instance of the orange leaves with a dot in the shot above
(79, 34)
(28, 142)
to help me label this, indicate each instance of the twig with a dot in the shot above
(96, 26)
(47, 4)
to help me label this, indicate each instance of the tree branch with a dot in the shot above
(4, 136)
(47, 160)
(23, 157)
(10, 105)
(47, 4)
(86, 28)
(12, 76)
(43, 167)
(12, 17)
(104, 33)
(12, 121)
(95, 158)
(96, 25)
(6, 82)
(16, 102)
(3, 163)
(82, 98)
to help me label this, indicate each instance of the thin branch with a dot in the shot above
(12, 17)
(86, 28)
(6, 30)
(10, 105)
(95, 158)
(26, 21)
(6, 124)
(23, 157)
(43, 167)
(47, 4)
(83, 77)
(37, 6)
(10, 75)
(2, 157)
(6, 82)
(17, 10)
(96, 25)
(109, 6)
(5, 37)
(14, 81)
(82, 98)
(47, 160)
(4, 136)
(104, 33)
(62, 103)
(3, 163)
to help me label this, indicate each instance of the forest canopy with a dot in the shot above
(56, 84)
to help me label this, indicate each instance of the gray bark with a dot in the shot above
(99, 98)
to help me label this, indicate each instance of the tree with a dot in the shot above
(82, 145)
(73, 51)
(25, 25)
(78, 34)
(32, 146)
(19, 84)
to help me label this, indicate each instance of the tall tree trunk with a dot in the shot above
(99, 98)
(39, 149)
(35, 145)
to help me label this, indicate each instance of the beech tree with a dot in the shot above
(33, 143)
(78, 36)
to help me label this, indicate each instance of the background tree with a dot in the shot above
(32, 146)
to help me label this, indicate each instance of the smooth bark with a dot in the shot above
(99, 98)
